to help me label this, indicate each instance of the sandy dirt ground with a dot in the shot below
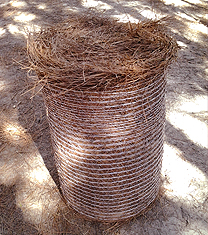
(30, 200)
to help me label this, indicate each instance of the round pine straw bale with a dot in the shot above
(104, 90)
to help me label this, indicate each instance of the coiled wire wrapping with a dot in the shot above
(108, 147)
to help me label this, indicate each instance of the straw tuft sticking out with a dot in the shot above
(96, 53)
(104, 91)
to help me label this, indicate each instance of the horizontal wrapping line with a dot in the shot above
(99, 105)
(142, 163)
(112, 102)
(130, 203)
(148, 92)
(120, 145)
(84, 126)
(148, 85)
(67, 121)
(135, 190)
(137, 148)
(106, 94)
(70, 159)
(71, 137)
(122, 102)
(138, 193)
(77, 177)
(89, 139)
(101, 122)
(135, 184)
(76, 147)
(106, 130)
(158, 106)
(132, 187)
(83, 178)
(112, 215)
(140, 156)
(117, 144)
(139, 108)
(80, 177)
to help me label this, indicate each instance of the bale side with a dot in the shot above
(104, 90)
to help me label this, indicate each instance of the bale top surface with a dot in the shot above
(95, 53)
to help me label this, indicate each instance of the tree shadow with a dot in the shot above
(11, 217)
(193, 153)
(32, 114)
(40, 134)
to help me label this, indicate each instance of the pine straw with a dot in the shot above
(89, 52)
(108, 148)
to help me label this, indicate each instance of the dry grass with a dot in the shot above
(97, 53)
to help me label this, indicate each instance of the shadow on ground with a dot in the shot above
(187, 78)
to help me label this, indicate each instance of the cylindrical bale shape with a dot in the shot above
(108, 147)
